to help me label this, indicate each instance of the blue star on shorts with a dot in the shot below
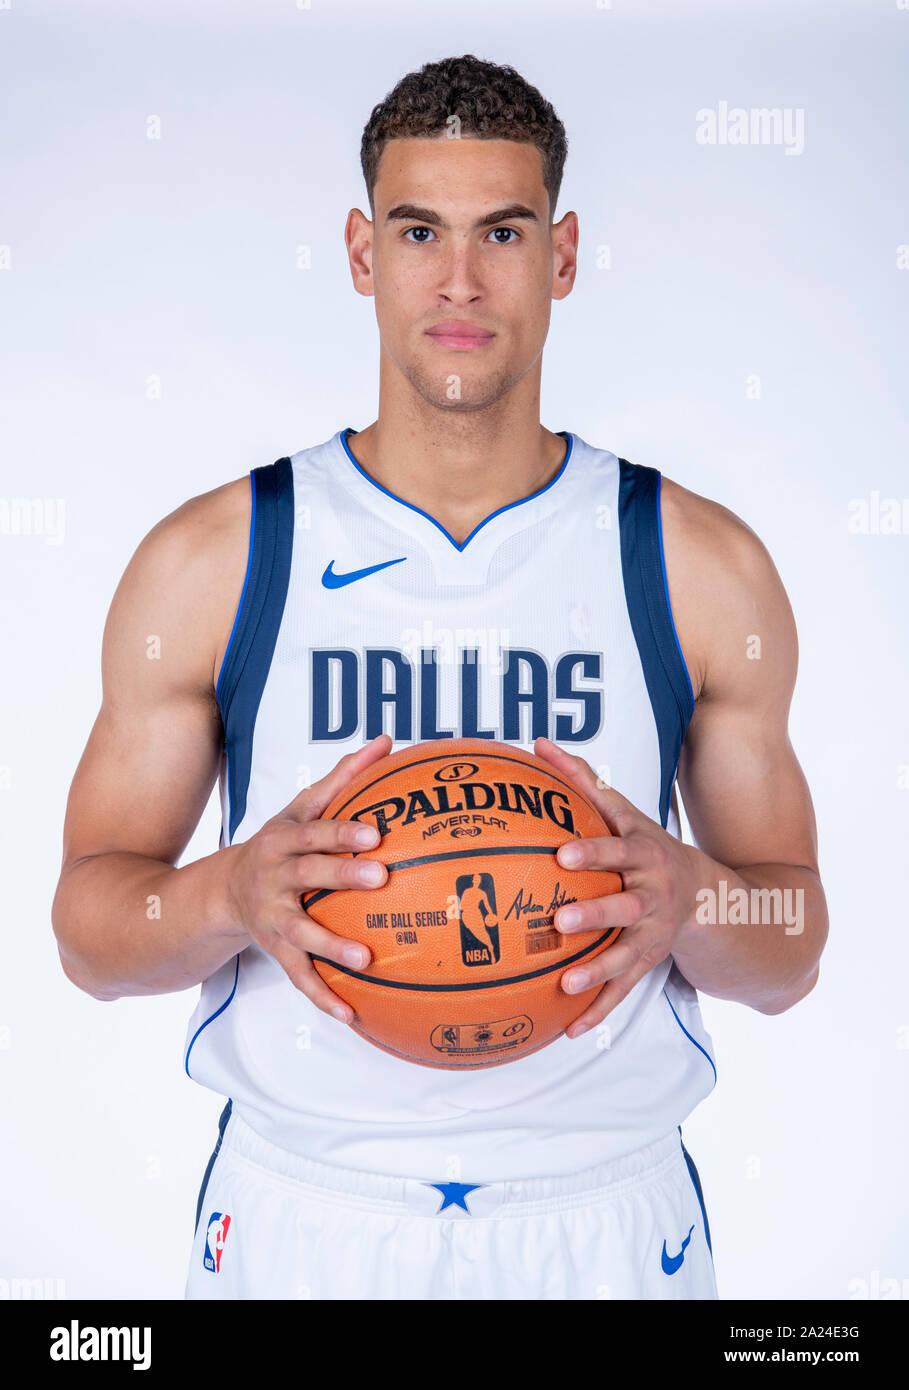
(454, 1193)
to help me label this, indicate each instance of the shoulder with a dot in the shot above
(729, 604)
(183, 583)
(198, 530)
(697, 528)
(190, 553)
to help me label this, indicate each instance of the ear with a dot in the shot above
(358, 238)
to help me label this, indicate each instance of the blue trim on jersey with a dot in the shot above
(563, 434)
(246, 665)
(695, 1178)
(659, 512)
(689, 1037)
(647, 598)
(211, 1018)
(222, 1125)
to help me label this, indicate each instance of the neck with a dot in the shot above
(459, 466)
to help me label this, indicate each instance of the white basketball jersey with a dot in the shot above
(361, 615)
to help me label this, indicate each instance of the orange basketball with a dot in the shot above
(466, 962)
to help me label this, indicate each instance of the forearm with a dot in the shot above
(754, 934)
(129, 925)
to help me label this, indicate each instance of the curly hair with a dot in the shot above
(489, 101)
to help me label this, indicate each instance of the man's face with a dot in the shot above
(464, 264)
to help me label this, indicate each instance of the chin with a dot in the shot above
(474, 394)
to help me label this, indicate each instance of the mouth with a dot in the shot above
(458, 334)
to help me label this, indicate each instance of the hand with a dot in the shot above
(659, 888)
(293, 853)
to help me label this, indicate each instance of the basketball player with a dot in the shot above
(476, 913)
(214, 1240)
(453, 569)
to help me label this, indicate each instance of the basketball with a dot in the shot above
(466, 962)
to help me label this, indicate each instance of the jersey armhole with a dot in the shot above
(250, 648)
(647, 597)
(681, 655)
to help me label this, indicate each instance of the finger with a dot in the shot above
(609, 997)
(311, 801)
(305, 934)
(598, 852)
(623, 956)
(303, 975)
(292, 837)
(331, 871)
(618, 812)
(618, 910)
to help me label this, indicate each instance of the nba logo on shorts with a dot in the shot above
(479, 922)
(215, 1236)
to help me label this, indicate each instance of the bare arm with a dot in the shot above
(126, 920)
(744, 792)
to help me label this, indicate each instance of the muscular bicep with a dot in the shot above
(154, 751)
(143, 780)
(744, 792)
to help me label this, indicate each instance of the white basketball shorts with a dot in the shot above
(273, 1225)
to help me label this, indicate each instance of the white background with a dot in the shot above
(176, 259)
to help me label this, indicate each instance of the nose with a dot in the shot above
(459, 279)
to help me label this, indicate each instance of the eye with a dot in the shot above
(509, 231)
(420, 241)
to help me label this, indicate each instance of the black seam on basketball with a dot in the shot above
(395, 1052)
(458, 854)
(472, 984)
(450, 1066)
(468, 757)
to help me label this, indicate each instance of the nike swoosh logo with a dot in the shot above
(330, 580)
(673, 1263)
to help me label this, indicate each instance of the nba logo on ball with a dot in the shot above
(476, 895)
(215, 1236)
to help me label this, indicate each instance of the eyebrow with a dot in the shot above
(410, 212)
